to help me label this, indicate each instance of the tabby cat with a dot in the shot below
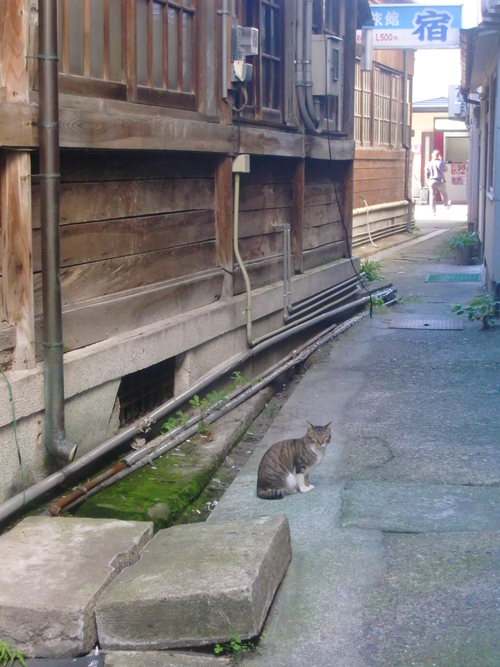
(286, 464)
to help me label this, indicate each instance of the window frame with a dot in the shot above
(255, 110)
(127, 88)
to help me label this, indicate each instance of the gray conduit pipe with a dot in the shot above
(406, 145)
(145, 456)
(53, 372)
(307, 63)
(299, 70)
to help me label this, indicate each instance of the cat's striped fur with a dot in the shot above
(285, 466)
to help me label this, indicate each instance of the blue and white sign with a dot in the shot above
(415, 26)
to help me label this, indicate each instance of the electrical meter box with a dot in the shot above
(327, 65)
(245, 42)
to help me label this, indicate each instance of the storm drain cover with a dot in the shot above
(420, 323)
(453, 278)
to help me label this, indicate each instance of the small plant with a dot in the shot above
(235, 647)
(372, 269)
(463, 240)
(481, 308)
(238, 380)
(217, 398)
(9, 655)
(171, 423)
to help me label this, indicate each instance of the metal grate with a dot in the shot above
(453, 278)
(145, 390)
(420, 323)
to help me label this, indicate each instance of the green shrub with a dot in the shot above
(372, 269)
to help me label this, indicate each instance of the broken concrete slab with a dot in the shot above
(196, 584)
(52, 572)
(163, 659)
(419, 508)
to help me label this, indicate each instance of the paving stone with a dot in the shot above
(52, 571)
(162, 659)
(196, 584)
(418, 508)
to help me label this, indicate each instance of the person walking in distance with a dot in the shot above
(434, 173)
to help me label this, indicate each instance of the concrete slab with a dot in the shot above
(52, 572)
(163, 659)
(196, 584)
(418, 508)
(437, 603)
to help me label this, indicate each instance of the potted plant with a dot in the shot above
(465, 246)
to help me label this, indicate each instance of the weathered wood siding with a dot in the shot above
(379, 176)
(129, 223)
(266, 199)
(323, 233)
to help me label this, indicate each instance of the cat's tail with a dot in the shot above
(270, 494)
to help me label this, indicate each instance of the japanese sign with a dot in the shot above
(415, 26)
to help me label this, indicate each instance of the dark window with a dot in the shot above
(326, 17)
(165, 52)
(143, 391)
(266, 89)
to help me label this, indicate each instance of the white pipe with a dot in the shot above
(368, 221)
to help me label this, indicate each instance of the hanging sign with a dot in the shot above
(415, 26)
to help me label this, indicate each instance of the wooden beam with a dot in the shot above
(298, 215)
(14, 23)
(349, 72)
(347, 202)
(16, 253)
(224, 221)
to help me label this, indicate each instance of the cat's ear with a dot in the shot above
(309, 425)
(328, 425)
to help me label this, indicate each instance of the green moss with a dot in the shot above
(159, 494)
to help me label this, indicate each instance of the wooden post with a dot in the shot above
(349, 72)
(16, 252)
(347, 204)
(298, 215)
(224, 220)
(15, 189)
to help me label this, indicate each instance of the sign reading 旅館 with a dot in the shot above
(415, 26)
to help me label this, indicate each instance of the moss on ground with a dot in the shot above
(160, 493)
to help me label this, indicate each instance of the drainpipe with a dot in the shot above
(406, 146)
(55, 440)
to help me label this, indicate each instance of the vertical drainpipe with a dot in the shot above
(55, 440)
(406, 145)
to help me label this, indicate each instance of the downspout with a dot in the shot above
(406, 146)
(55, 440)
(299, 70)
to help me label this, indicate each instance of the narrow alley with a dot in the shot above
(395, 552)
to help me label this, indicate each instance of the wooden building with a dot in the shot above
(382, 168)
(150, 121)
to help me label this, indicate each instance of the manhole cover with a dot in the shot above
(453, 278)
(414, 323)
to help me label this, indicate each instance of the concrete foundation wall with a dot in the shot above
(384, 221)
(201, 340)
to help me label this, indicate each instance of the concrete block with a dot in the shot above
(162, 659)
(52, 572)
(196, 584)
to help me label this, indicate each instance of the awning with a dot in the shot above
(478, 47)
(364, 13)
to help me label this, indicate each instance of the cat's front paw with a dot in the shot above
(305, 489)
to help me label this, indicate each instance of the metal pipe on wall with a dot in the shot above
(406, 145)
(55, 438)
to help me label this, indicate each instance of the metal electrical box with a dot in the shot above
(327, 58)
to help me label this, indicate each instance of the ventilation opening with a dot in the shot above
(145, 390)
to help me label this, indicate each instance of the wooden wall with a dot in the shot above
(379, 176)
(266, 198)
(323, 233)
(129, 222)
